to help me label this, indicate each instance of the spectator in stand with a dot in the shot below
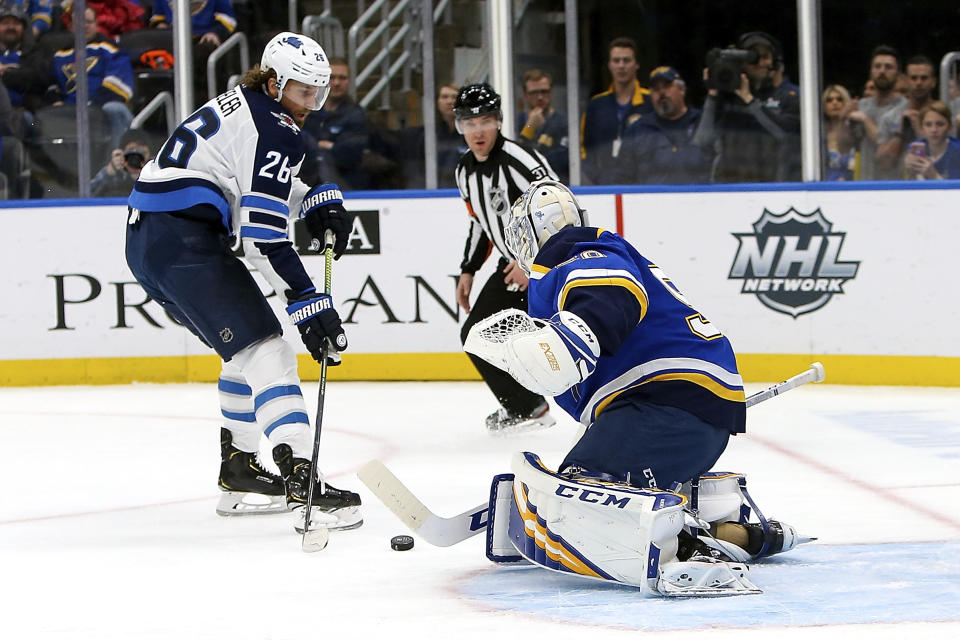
(869, 89)
(211, 24)
(116, 178)
(884, 69)
(450, 144)
(109, 78)
(841, 154)
(935, 156)
(38, 13)
(658, 146)
(901, 124)
(339, 133)
(13, 23)
(755, 129)
(113, 16)
(902, 85)
(603, 122)
(542, 127)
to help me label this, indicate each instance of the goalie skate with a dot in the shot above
(506, 422)
(336, 509)
(247, 488)
(703, 576)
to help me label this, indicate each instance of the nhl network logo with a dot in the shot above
(792, 261)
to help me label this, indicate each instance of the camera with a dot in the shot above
(724, 67)
(134, 159)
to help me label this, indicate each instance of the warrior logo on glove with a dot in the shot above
(322, 209)
(319, 324)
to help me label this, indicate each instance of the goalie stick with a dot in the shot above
(445, 532)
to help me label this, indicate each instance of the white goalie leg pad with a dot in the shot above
(270, 368)
(553, 359)
(592, 528)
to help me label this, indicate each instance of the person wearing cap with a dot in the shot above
(13, 27)
(755, 130)
(603, 122)
(542, 126)
(658, 146)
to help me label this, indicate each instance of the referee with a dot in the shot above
(491, 175)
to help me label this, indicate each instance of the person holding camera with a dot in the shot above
(116, 178)
(936, 156)
(751, 117)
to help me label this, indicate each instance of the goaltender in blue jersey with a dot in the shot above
(656, 387)
(653, 344)
(627, 356)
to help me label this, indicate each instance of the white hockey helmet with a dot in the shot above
(544, 208)
(296, 57)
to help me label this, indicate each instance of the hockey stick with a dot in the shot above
(814, 374)
(317, 539)
(444, 532)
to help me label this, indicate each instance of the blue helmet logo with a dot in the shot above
(293, 41)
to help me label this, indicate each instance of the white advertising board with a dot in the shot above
(823, 273)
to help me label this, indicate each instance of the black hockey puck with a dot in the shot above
(401, 543)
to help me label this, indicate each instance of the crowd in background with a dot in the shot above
(641, 130)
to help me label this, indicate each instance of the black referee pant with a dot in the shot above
(494, 297)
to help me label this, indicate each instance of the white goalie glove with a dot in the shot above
(545, 357)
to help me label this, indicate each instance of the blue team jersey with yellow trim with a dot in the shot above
(653, 343)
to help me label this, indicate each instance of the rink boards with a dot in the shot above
(860, 279)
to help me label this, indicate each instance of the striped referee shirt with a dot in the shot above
(489, 188)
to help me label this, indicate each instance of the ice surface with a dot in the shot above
(108, 530)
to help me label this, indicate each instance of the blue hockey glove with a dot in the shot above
(317, 320)
(322, 209)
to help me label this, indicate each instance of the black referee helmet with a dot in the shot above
(477, 100)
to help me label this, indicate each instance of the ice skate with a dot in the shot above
(506, 422)
(332, 508)
(247, 488)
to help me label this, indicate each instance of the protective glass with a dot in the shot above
(477, 124)
(305, 95)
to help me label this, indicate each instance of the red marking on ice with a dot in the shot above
(886, 494)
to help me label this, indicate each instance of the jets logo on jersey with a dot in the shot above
(287, 121)
(791, 261)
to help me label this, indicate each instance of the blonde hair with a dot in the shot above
(836, 88)
(937, 107)
(256, 78)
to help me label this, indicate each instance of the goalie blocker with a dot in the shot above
(599, 529)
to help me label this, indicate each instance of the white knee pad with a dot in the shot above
(270, 369)
(719, 497)
(595, 529)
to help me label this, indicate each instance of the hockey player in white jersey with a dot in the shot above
(227, 174)
(655, 386)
